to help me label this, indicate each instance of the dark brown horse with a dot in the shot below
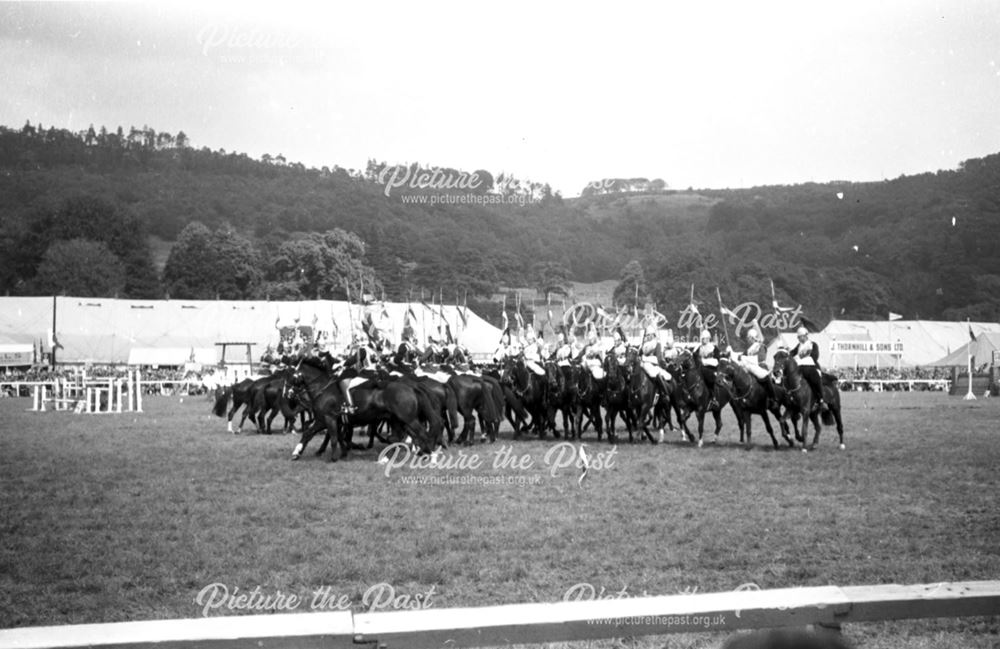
(694, 396)
(800, 400)
(751, 398)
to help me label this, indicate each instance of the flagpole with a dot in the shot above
(969, 395)
(54, 339)
(725, 327)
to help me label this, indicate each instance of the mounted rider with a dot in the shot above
(619, 345)
(434, 352)
(592, 354)
(532, 352)
(509, 348)
(566, 349)
(359, 366)
(707, 358)
(754, 361)
(654, 362)
(806, 354)
(407, 353)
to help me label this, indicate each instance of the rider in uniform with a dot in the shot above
(806, 354)
(754, 361)
(508, 348)
(407, 353)
(592, 355)
(360, 363)
(708, 358)
(653, 361)
(533, 352)
(566, 349)
(619, 345)
(432, 353)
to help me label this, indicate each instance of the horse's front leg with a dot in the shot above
(770, 430)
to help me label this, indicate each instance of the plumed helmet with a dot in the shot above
(801, 331)
(705, 335)
(648, 332)
(753, 335)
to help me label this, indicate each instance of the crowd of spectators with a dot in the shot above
(894, 379)
(153, 378)
(893, 374)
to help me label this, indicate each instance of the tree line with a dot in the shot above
(924, 246)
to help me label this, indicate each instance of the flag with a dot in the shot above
(774, 301)
(894, 316)
(691, 304)
(972, 336)
(191, 357)
(503, 313)
(723, 310)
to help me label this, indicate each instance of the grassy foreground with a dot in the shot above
(127, 517)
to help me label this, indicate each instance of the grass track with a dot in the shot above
(129, 517)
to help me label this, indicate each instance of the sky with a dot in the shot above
(703, 94)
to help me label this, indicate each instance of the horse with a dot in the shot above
(694, 396)
(441, 394)
(473, 394)
(589, 396)
(799, 400)
(751, 398)
(528, 395)
(269, 398)
(562, 397)
(615, 399)
(406, 408)
(641, 394)
(241, 396)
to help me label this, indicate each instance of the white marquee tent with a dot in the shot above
(104, 330)
(862, 343)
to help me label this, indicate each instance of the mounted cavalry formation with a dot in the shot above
(434, 395)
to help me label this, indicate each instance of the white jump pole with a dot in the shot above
(35, 393)
(43, 398)
(118, 396)
(138, 391)
(86, 407)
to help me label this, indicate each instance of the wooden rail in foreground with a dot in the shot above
(532, 623)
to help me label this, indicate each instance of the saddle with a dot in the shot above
(829, 379)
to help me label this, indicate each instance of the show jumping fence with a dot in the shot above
(828, 606)
(81, 394)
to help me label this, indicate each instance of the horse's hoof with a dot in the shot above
(661, 435)
(295, 457)
(842, 447)
(701, 443)
(805, 450)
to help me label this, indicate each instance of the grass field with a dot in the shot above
(108, 518)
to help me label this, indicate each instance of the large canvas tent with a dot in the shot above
(104, 330)
(982, 350)
(912, 343)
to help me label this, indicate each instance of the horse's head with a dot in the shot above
(552, 375)
(685, 360)
(518, 374)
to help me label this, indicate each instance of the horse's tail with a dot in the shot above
(451, 404)
(426, 412)
(222, 401)
(489, 403)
